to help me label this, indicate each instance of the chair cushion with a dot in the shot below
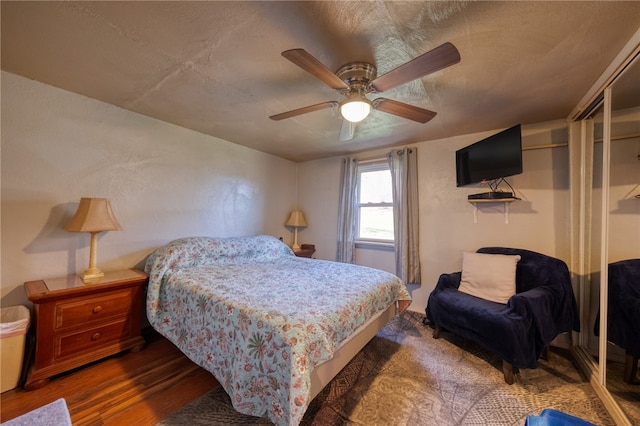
(489, 276)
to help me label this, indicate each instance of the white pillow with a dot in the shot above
(489, 276)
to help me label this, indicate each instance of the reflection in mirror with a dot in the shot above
(624, 243)
(595, 232)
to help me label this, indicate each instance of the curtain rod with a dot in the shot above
(381, 159)
(373, 160)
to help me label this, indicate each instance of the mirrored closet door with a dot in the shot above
(606, 144)
(623, 235)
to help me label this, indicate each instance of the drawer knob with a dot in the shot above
(97, 309)
(96, 336)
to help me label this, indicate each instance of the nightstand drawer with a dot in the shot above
(81, 311)
(74, 343)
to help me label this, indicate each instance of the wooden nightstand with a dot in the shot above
(306, 250)
(77, 323)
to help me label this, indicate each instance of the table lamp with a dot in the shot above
(94, 215)
(296, 220)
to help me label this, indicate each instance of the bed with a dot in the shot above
(271, 327)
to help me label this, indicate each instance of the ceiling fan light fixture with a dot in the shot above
(355, 109)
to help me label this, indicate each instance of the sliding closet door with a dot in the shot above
(623, 236)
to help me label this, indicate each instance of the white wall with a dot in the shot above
(624, 185)
(538, 222)
(318, 186)
(164, 182)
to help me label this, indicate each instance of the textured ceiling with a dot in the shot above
(215, 67)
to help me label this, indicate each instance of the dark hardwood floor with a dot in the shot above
(138, 388)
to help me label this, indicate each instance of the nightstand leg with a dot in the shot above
(37, 384)
(137, 348)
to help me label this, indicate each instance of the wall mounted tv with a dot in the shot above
(495, 157)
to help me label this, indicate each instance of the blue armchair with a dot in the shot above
(520, 330)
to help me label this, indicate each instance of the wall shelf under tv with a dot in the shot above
(505, 202)
(495, 200)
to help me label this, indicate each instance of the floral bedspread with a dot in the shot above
(258, 317)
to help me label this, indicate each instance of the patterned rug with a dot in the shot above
(405, 377)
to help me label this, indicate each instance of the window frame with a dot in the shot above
(372, 166)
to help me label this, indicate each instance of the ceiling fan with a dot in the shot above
(356, 80)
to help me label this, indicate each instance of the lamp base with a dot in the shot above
(91, 275)
(295, 247)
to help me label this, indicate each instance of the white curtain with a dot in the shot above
(347, 209)
(404, 179)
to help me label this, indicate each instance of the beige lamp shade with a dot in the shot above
(94, 215)
(296, 219)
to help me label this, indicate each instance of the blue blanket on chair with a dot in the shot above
(543, 306)
(623, 326)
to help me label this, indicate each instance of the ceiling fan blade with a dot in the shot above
(432, 61)
(304, 110)
(307, 62)
(403, 110)
(347, 130)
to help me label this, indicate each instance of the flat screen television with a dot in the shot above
(495, 157)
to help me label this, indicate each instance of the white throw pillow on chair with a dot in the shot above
(489, 276)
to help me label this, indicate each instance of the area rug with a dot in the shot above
(405, 377)
(54, 413)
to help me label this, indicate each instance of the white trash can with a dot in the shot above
(14, 323)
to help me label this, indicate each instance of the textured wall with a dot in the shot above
(164, 182)
(538, 222)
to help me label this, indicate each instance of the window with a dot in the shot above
(375, 203)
